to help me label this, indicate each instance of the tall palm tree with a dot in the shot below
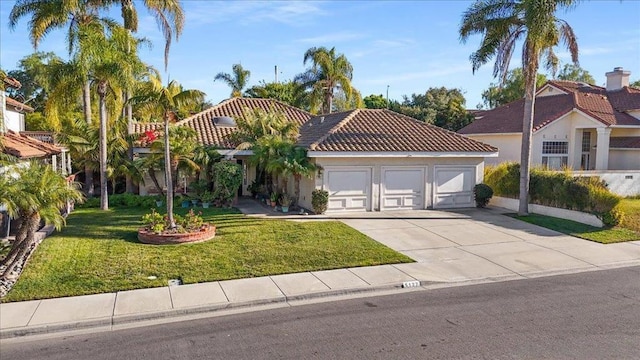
(328, 71)
(168, 14)
(237, 80)
(503, 23)
(37, 193)
(168, 101)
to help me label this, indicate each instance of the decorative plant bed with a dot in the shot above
(207, 232)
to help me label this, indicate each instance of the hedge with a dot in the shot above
(557, 189)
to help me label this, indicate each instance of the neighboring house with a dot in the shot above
(576, 126)
(371, 160)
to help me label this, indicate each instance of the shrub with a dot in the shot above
(319, 200)
(554, 188)
(613, 217)
(154, 222)
(227, 180)
(482, 194)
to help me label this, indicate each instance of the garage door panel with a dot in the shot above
(402, 188)
(454, 187)
(349, 189)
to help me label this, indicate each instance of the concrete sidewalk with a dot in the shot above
(450, 248)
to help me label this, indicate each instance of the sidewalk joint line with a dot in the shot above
(34, 312)
(359, 277)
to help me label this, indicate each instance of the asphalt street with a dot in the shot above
(590, 315)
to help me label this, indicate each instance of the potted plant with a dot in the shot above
(285, 202)
(183, 200)
(159, 200)
(274, 199)
(207, 198)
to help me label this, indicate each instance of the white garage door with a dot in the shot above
(402, 188)
(349, 189)
(454, 186)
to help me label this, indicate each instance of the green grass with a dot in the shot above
(588, 232)
(631, 209)
(99, 252)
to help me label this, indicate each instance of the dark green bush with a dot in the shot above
(121, 200)
(482, 194)
(557, 189)
(319, 201)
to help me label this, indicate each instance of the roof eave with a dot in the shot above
(388, 154)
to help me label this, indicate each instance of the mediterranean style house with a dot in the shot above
(576, 126)
(369, 160)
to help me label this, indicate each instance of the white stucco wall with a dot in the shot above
(624, 159)
(508, 147)
(621, 182)
(13, 120)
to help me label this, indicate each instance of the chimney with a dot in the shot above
(617, 79)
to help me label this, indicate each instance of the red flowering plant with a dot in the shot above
(148, 137)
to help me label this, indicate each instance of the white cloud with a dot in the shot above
(250, 12)
(332, 38)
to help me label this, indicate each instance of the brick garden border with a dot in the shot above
(148, 237)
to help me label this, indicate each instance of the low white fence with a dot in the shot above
(512, 204)
(621, 182)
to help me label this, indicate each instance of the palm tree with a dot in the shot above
(503, 23)
(168, 14)
(328, 71)
(237, 80)
(37, 193)
(291, 160)
(168, 101)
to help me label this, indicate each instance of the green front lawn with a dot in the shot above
(99, 252)
(588, 232)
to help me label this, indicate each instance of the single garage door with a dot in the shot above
(349, 189)
(402, 188)
(454, 186)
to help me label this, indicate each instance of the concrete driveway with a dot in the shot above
(475, 244)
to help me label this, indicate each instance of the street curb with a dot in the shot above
(212, 308)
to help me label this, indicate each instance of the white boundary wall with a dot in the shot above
(621, 182)
(512, 204)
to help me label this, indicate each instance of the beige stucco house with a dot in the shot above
(576, 126)
(370, 160)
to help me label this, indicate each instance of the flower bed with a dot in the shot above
(207, 232)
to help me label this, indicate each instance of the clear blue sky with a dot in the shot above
(408, 46)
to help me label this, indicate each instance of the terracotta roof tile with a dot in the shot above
(381, 130)
(605, 106)
(210, 134)
(24, 147)
(20, 107)
(625, 142)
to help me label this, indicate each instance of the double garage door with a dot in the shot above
(401, 188)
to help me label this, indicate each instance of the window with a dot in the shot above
(555, 154)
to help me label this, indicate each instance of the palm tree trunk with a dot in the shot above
(86, 107)
(23, 246)
(296, 191)
(525, 152)
(154, 178)
(130, 187)
(167, 172)
(328, 99)
(104, 196)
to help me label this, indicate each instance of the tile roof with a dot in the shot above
(20, 107)
(210, 134)
(24, 147)
(12, 82)
(624, 142)
(608, 107)
(381, 130)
